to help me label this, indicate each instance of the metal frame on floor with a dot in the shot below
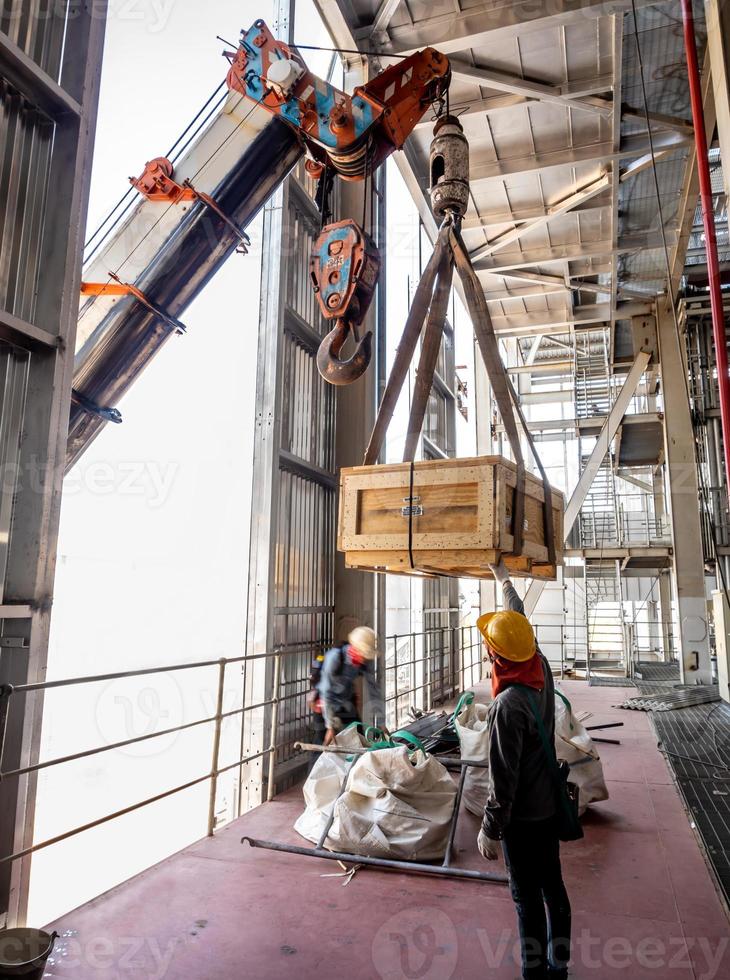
(389, 864)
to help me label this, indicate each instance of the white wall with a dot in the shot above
(153, 553)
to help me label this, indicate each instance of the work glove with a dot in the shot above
(488, 848)
(500, 572)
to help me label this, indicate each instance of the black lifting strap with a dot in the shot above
(505, 395)
(404, 355)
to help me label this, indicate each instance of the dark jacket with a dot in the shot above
(336, 687)
(521, 786)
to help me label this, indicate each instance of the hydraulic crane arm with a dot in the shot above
(193, 211)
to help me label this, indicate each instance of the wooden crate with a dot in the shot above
(462, 514)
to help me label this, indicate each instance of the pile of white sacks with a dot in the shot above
(398, 803)
(573, 745)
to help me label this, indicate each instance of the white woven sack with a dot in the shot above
(323, 785)
(471, 726)
(397, 804)
(575, 746)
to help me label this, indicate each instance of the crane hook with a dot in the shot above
(332, 369)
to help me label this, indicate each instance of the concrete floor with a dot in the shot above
(644, 903)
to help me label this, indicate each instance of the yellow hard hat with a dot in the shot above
(508, 634)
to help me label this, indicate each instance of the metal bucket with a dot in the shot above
(23, 952)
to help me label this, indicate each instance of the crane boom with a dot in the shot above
(192, 213)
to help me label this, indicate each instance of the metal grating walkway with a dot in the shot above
(597, 681)
(698, 735)
(657, 673)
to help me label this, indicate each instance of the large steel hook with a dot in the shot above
(329, 365)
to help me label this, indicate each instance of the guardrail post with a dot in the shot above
(274, 726)
(396, 715)
(216, 746)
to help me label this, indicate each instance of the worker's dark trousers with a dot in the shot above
(532, 855)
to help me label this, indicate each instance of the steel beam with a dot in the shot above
(566, 96)
(34, 83)
(513, 262)
(567, 204)
(499, 24)
(568, 156)
(20, 333)
(498, 219)
(603, 442)
(561, 321)
(383, 16)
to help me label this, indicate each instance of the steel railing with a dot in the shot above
(8, 693)
(460, 647)
(428, 668)
(420, 669)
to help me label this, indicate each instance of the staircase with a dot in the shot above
(604, 617)
(592, 376)
(598, 521)
(598, 518)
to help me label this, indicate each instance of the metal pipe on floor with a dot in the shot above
(708, 220)
(445, 760)
(385, 863)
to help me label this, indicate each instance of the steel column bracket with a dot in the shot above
(129, 289)
(92, 408)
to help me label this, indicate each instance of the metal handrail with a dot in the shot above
(7, 691)
(462, 638)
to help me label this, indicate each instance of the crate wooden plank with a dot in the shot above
(460, 513)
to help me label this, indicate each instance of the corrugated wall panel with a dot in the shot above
(26, 139)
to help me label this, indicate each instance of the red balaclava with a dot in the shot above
(506, 672)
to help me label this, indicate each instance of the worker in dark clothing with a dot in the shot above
(521, 806)
(337, 683)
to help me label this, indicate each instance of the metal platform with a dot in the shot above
(696, 743)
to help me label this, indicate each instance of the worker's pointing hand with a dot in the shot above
(488, 848)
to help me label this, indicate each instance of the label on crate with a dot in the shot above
(415, 510)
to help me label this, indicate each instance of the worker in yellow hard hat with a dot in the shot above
(521, 811)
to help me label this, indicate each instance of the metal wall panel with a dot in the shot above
(38, 27)
(13, 386)
(26, 139)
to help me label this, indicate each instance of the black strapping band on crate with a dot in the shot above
(410, 514)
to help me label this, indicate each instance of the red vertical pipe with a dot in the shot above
(708, 219)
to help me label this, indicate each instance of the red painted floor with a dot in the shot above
(644, 904)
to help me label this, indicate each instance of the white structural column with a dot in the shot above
(693, 643)
(258, 673)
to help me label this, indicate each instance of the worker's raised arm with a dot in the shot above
(512, 600)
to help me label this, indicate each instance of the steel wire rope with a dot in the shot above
(130, 190)
(149, 231)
